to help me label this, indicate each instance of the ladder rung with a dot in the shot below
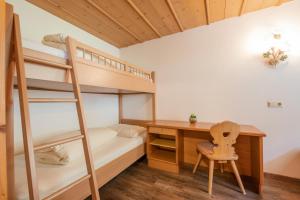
(58, 142)
(61, 191)
(53, 100)
(2, 127)
(46, 62)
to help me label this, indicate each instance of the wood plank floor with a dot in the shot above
(139, 182)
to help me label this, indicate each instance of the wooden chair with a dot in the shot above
(224, 136)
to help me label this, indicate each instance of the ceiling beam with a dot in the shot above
(97, 7)
(243, 7)
(143, 17)
(207, 12)
(175, 15)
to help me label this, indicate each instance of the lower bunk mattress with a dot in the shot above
(53, 177)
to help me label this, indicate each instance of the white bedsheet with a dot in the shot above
(51, 177)
(38, 46)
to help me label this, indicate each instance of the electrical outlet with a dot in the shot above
(274, 104)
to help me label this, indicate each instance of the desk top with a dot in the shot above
(247, 130)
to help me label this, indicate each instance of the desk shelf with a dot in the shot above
(163, 155)
(161, 142)
(162, 149)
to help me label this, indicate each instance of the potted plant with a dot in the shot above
(193, 118)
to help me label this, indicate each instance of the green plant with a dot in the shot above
(193, 115)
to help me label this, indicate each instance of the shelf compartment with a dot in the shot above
(163, 155)
(161, 142)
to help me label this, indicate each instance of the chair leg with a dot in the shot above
(237, 175)
(197, 163)
(222, 167)
(210, 176)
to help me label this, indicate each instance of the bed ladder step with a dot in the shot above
(61, 191)
(52, 100)
(46, 63)
(26, 125)
(58, 142)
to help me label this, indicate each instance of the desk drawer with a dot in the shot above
(164, 131)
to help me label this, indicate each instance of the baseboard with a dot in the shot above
(282, 177)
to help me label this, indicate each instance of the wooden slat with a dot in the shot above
(120, 98)
(175, 15)
(253, 5)
(113, 19)
(10, 129)
(9, 100)
(25, 118)
(153, 99)
(3, 158)
(143, 17)
(233, 8)
(58, 142)
(216, 10)
(279, 2)
(191, 13)
(51, 100)
(47, 63)
(68, 187)
(270, 3)
(207, 11)
(159, 14)
(243, 7)
(2, 62)
(82, 121)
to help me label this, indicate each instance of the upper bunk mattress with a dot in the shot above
(53, 177)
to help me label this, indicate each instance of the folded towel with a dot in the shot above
(58, 38)
(57, 41)
(56, 155)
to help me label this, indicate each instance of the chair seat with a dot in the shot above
(207, 148)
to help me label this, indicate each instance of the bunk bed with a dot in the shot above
(82, 69)
(98, 72)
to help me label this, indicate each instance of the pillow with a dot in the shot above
(98, 137)
(129, 131)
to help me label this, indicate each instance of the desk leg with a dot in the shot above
(257, 169)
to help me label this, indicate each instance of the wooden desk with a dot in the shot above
(249, 146)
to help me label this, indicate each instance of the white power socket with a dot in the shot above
(274, 104)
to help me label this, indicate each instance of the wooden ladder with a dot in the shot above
(29, 148)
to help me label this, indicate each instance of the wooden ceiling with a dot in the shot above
(126, 22)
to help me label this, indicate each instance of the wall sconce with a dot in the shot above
(275, 54)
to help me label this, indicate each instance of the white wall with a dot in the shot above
(51, 119)
(217, 72)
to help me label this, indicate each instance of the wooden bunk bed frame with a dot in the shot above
(94, 72)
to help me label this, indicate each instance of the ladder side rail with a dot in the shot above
(25, 116)
(71, 49)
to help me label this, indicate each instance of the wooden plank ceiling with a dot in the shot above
(126, 22)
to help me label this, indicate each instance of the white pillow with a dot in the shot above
(129, 131)
(97, 136)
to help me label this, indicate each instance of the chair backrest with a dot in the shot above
(224, 135)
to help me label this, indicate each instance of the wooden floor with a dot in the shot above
(139, 182)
